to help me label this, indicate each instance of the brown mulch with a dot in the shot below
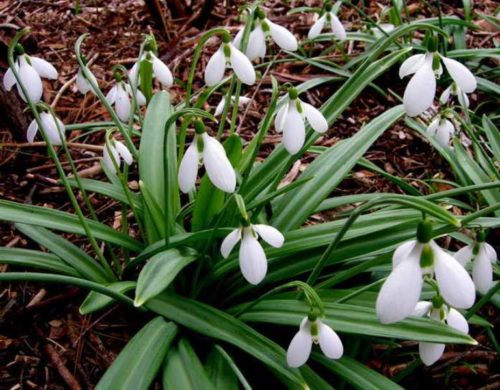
(44, 341)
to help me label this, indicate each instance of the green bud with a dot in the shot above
(293, 93)
(426, 257)
(259, 13)
(19, 49)
(227, 50)
(199, 126)
(328, 6)
(481, 236)
(424, 231)
(437, 301)
(226, 37)
(475, 248)
(432, 44)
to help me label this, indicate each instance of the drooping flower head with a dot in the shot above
(120, 95)
(411, 262)
(53, 127)
(113, 153)
(242, 101)
(30, 70)
(313, 331)
(455, 90)
(420, 91)
(252, 258)
(483, 256)
(264, 28)
(328, 19)
(442, 129)
(438, 311)
(291, 118)
(83, 84)
(229, 56)
(217, 165)
(160, 70)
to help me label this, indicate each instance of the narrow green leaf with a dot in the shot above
(223, 372)
(96, 301)
(493, 135)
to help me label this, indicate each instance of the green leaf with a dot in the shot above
(136, 366)
(35, 259)
(60, 220)
(493, 135)
(357, 374)
(183, 369)
(85, 265)
(160, 271)
(96, 301)
(223, 372)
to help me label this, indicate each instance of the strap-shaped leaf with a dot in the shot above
(223, 372)
(493, 135)
(138, 363)
(96, 301)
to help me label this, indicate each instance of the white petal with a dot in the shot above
(140, 98)
(111, 95)
(31, 81)
(433, 126)
(457, 321)
(400, 293)
(253, 262)
(329, 342)
(239, 36)
(44, 68)
(108, 157)
(214, 72)
(256, 47)
(242, 66)
(444, 132)
(294, 131)
(270, 234)
(122, 104)
(220, 107)
(420, 91)
(300, 347)
(482, 271)
(81, 83)
(317, 27)
(462, 76)
(188, 169)
(282, 37)
(338, 28)
(124, 152)
(9, 80)
(463, 99)
(133, 74)
(217, 165)
(279, 121)
(454, 282)
(51, 129)
(229, 242)
(411, 65)
(464, 255)
(430, 352)
(445, 96)
(490, 252)
(32, 130)
(162, 72)
(315, 118)
(422, 308)
(403, 252)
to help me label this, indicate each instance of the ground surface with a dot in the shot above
(44, 341)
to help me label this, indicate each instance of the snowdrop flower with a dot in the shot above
(30, 70)
(120, 95)
(264, 28)
(219, 169)
(253, 261)
(83, 84)
(420, 91)
(453, 89)
(228, 55)
(442, 129)
(436, 310)
(483, 256)
(113, 153)
(328, 19)
(242, 101)
(312, 330)
(160, 70)
(411, 261)
(291, 118)
(51, 125)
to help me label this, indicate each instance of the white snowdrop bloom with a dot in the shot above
(411, 261)
(83, 84)
(313, 331)
(242, 101)
(431, 352)
(442, 129)
(229, 56)
(218, 167)
(291, 117)
(160, 70)
(30, 71)
(328, 19)
(483, 256)
(252, 258)
(52, 125)
(421, 89)
(113, 153)
(264, 28)
(453, 89)
(120, 95)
